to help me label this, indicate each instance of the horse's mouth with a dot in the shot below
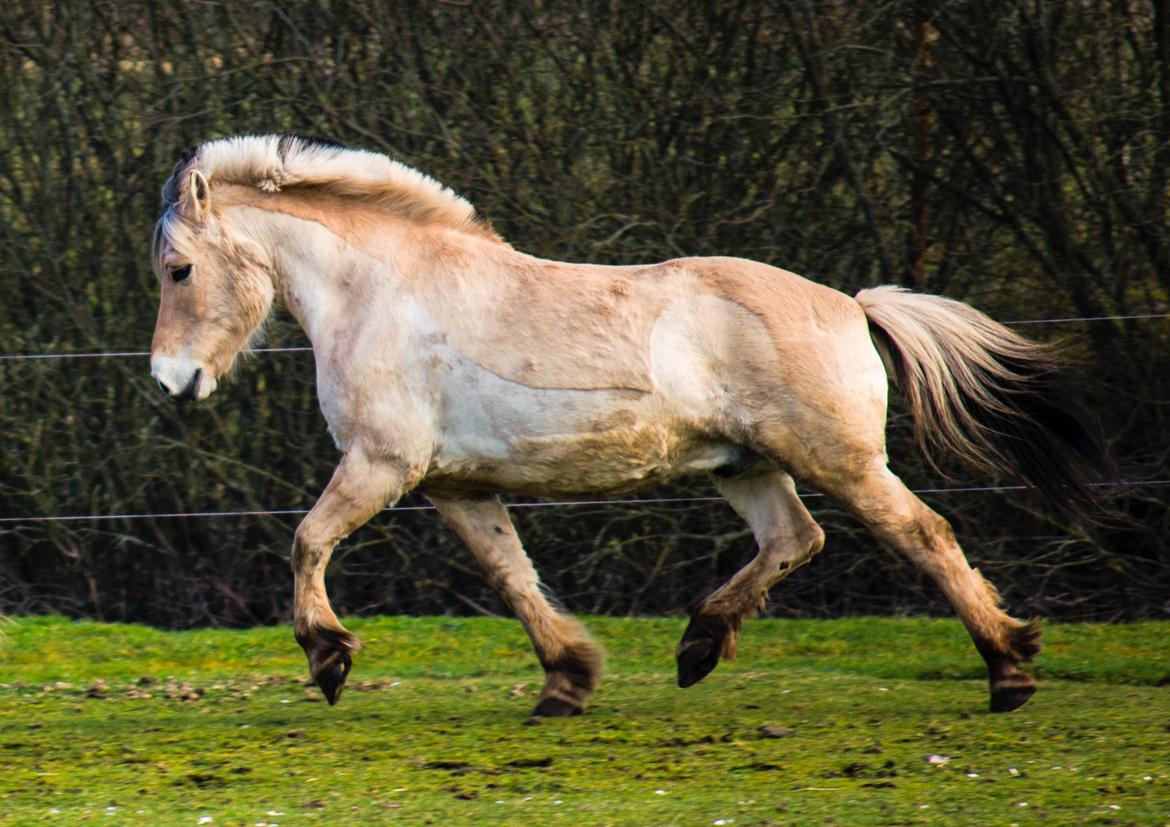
(190, 392)
(173, 378)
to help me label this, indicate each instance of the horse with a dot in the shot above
(448, 361)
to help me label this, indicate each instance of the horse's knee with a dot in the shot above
(303, 558)
(311, 549)
(933, 532)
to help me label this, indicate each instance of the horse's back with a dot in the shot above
(796, 310)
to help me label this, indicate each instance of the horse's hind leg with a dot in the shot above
(358, 490)
(572, 662)
(787, 537)
(904, 522)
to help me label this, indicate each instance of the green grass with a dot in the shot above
(818, 721)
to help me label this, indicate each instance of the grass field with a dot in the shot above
(856, 721)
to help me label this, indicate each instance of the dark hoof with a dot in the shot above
(330, 658)
(696, 660)
(331, 675)
(555, 708)
(1009, 698)
(698, 651)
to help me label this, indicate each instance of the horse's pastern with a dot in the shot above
(1007, 698)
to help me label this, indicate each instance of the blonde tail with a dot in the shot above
(989, 396)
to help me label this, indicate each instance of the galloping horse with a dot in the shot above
(447, 360)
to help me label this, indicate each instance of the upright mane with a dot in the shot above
(276, 163)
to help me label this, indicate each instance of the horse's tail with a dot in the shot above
(989, 396)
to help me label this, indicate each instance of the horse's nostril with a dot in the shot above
(161, 386)
(189, 391)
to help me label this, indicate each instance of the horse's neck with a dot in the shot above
(316, 273)
(335, 269)
(534, 322)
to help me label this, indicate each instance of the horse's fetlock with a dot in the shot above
(570, 679)
(730, 643)
(1010, 686)
(1025, 640)
(319, 637)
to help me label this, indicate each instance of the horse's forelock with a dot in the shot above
(162, 231)
(171, 189)
(171, 228)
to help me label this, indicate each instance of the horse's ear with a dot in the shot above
(197, 197)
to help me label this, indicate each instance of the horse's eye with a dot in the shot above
(180, 273)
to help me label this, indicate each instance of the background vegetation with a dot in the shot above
(1013, 155)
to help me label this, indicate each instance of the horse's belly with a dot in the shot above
(503, 436)
(604, 462)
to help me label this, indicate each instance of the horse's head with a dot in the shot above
(217, 288)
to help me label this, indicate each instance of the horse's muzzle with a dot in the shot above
(181, 378)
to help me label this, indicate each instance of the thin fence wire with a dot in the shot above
(118, 354)
(1091, 319)
(564, 503)
(971, 489)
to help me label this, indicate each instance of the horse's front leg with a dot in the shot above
(572, 662)
(358, 490)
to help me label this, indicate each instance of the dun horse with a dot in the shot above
(448, 361)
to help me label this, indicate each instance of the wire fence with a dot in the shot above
(281, 512)
(551, 504)
(119, 354)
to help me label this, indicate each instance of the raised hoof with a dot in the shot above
(331, 675)
(555, 708)
(696, 660)
(1009, 698)
(330, 658)
(699, 650)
